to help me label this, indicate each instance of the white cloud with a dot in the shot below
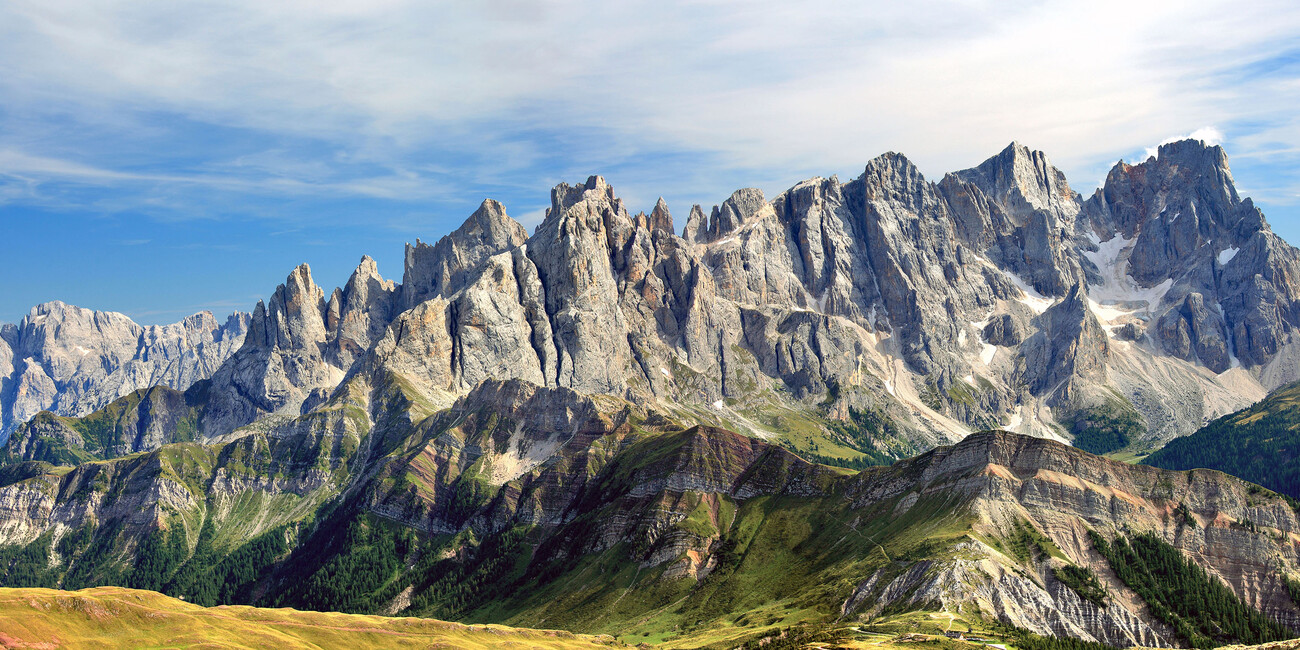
(1207, 134)
(763, 86)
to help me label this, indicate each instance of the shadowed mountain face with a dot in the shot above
(608, 417)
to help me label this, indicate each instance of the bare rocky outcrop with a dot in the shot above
(284, 357)
(1070, 348)
(1019, 210)
(885, 293)
(443, 268)
(1063, 493)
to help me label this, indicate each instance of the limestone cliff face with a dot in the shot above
(282, 360)
(886, 294)
(1185, 223)
(442, 269)
(72, 361)
(818, 294)
(1019, 210)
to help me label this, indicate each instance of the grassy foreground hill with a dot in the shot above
(133, 618)
(117, 617)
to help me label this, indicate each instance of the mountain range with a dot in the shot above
(606, 425)
(73, 361)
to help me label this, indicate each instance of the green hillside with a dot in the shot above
(542, 508)
(1260, 444)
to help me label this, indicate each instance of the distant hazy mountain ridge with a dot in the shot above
(73, 361)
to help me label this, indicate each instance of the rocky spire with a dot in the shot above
(360, 312)
(1018, 209)
(444, 268)
(1070, 347)
(283, 358)
(660, 218)
(732, 214)
(697, 226)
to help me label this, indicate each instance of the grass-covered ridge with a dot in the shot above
(138, 421)
(536, 507)
(118, 617)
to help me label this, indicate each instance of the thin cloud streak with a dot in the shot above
(34, 169)
(404, 115)
(768, 86)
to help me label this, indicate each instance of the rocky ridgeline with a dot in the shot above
(607, 397)
(73, 361)
(997, 297)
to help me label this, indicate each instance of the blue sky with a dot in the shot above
(160, 158)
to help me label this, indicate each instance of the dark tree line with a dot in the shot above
(161, 561)
(1200, 608)
(1265, 450)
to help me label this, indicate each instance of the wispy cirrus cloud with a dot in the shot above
(403, 114)
(469, 89)
(398, 183)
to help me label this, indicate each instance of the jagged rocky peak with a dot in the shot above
(1022, 182)
(697, 225)
(1174, 226)
(659, 219)
(575, 252)
(357, 315)
(892, 177)
(46, 325)
(444, 268)
(1187, 178)
(1069, 351)
(1019, 211)
(739, 208)
(285, 357)
(294, 318)
(564, 196)
(732, 214)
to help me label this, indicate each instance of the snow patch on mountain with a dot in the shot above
(1118, 295)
